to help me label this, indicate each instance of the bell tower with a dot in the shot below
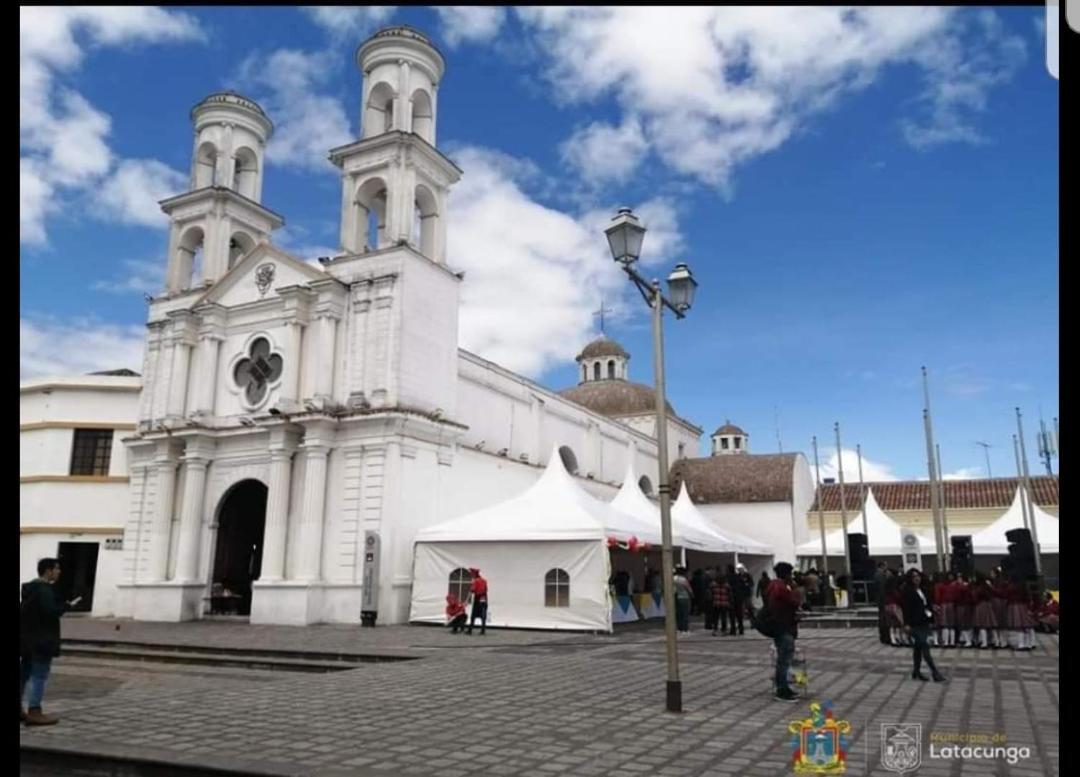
(220, 218)
(394, 180)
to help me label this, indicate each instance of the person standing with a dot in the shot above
(965, 611)
(918, 617)
(738, 600)
(783, 605)
(684, 596)
(999, 600)
(1018, 617)
(894, 611)
(478, 593)
(943, 610)
(720, 592)
(881, 577)
(39, 638)
(762, 586)
(983, 617)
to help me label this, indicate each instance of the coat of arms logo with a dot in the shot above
(901, 746)
(264, 276)
(820, 742)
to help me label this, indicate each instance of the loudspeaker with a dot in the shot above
(1018, 535)
(962, 561)
(862, 568)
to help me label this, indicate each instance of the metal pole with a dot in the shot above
(821, 516)
(941, 490)
(843, 515)
(674, 684)
(1031, 494)
(935, 508)
(1057, 441)
(862, 493)
(1046, 447)
(1020, 483)
(986, 451)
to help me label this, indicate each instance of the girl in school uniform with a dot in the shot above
(1018, 618)
(942, 610)
(983, 616)
(965, 615)
(999, 600)
(894, 614)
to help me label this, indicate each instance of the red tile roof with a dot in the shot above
(736, 478)
(915, 494)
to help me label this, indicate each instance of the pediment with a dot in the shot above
(258, 275)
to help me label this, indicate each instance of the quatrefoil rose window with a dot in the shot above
(257, 370)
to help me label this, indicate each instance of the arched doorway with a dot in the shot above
(238, 554)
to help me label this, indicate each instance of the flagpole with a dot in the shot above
(935, 508)
(862, 493)
(843, 514)
(821, 516)
(1031, 494)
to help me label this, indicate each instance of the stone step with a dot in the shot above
(222, 658)
(368, 655)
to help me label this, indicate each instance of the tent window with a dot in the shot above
(460, 581)
(557, 588)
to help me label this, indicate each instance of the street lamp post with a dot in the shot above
(625, 236)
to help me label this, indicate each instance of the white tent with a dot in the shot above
(554, 525)
(689, 518)
(883, 534)
(992, 541)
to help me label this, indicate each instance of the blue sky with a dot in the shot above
(859, 193)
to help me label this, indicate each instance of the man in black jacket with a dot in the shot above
(918, 615)
(39, 638)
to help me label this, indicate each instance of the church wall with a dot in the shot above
(428, 316)
(768, 522)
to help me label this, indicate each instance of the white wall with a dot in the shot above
(768, 522)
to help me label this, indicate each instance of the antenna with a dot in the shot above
(986, 450)
(776, 420)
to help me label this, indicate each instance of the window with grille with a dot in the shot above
(460, 581)
(557, 588)
(91, 451)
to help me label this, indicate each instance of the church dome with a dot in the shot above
(614, 397)
(729, 428)
(601, 347)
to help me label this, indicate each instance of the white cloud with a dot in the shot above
(602, 153)
(873, 471)
(349, 21)
(715, 87)
(307, 124)
(132, 191)
(140, 276)
(63, 138)
(533, 274)
(474, 24)
(49, 347)
(965, 473)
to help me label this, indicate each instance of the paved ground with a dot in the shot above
(530, 703)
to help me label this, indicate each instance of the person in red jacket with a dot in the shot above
(983, 618)
(999, 601)
(894, 614)
(965, 611)
(783, 603)
(943, 609)
(478, 593)
(1047, 616)
(720, 591)
(1019, 619)
(455, 613)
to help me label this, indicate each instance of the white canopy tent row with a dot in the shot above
(991, 541)
(695, 537)
(543, 552)
(883, 535)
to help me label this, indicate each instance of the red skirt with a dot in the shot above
(948, 615)
(1018, 616)
(965, 616)
(894, 616)
(984, 616)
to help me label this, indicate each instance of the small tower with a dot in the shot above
(603, 359)
(394, 180)
(729, 440)
(220, 219)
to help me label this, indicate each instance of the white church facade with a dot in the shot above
(298, 425)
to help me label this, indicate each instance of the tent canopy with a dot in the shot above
(883, 534)
(694, 525)
(553, 508)
(992, 541)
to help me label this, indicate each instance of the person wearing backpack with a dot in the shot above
(780, 617)
(684, 595)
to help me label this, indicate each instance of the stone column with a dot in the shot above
(405, 97)
(209, 349)
(181, 362)
(191, 514)
(311, 514)
(351, 237)
(277, 510)
(290, 378)
(325, 357)
(165, 467)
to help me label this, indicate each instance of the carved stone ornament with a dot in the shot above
(264, 276)
(257, 370)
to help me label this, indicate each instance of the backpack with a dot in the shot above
(765, 622)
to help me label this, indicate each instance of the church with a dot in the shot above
(298, 425)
